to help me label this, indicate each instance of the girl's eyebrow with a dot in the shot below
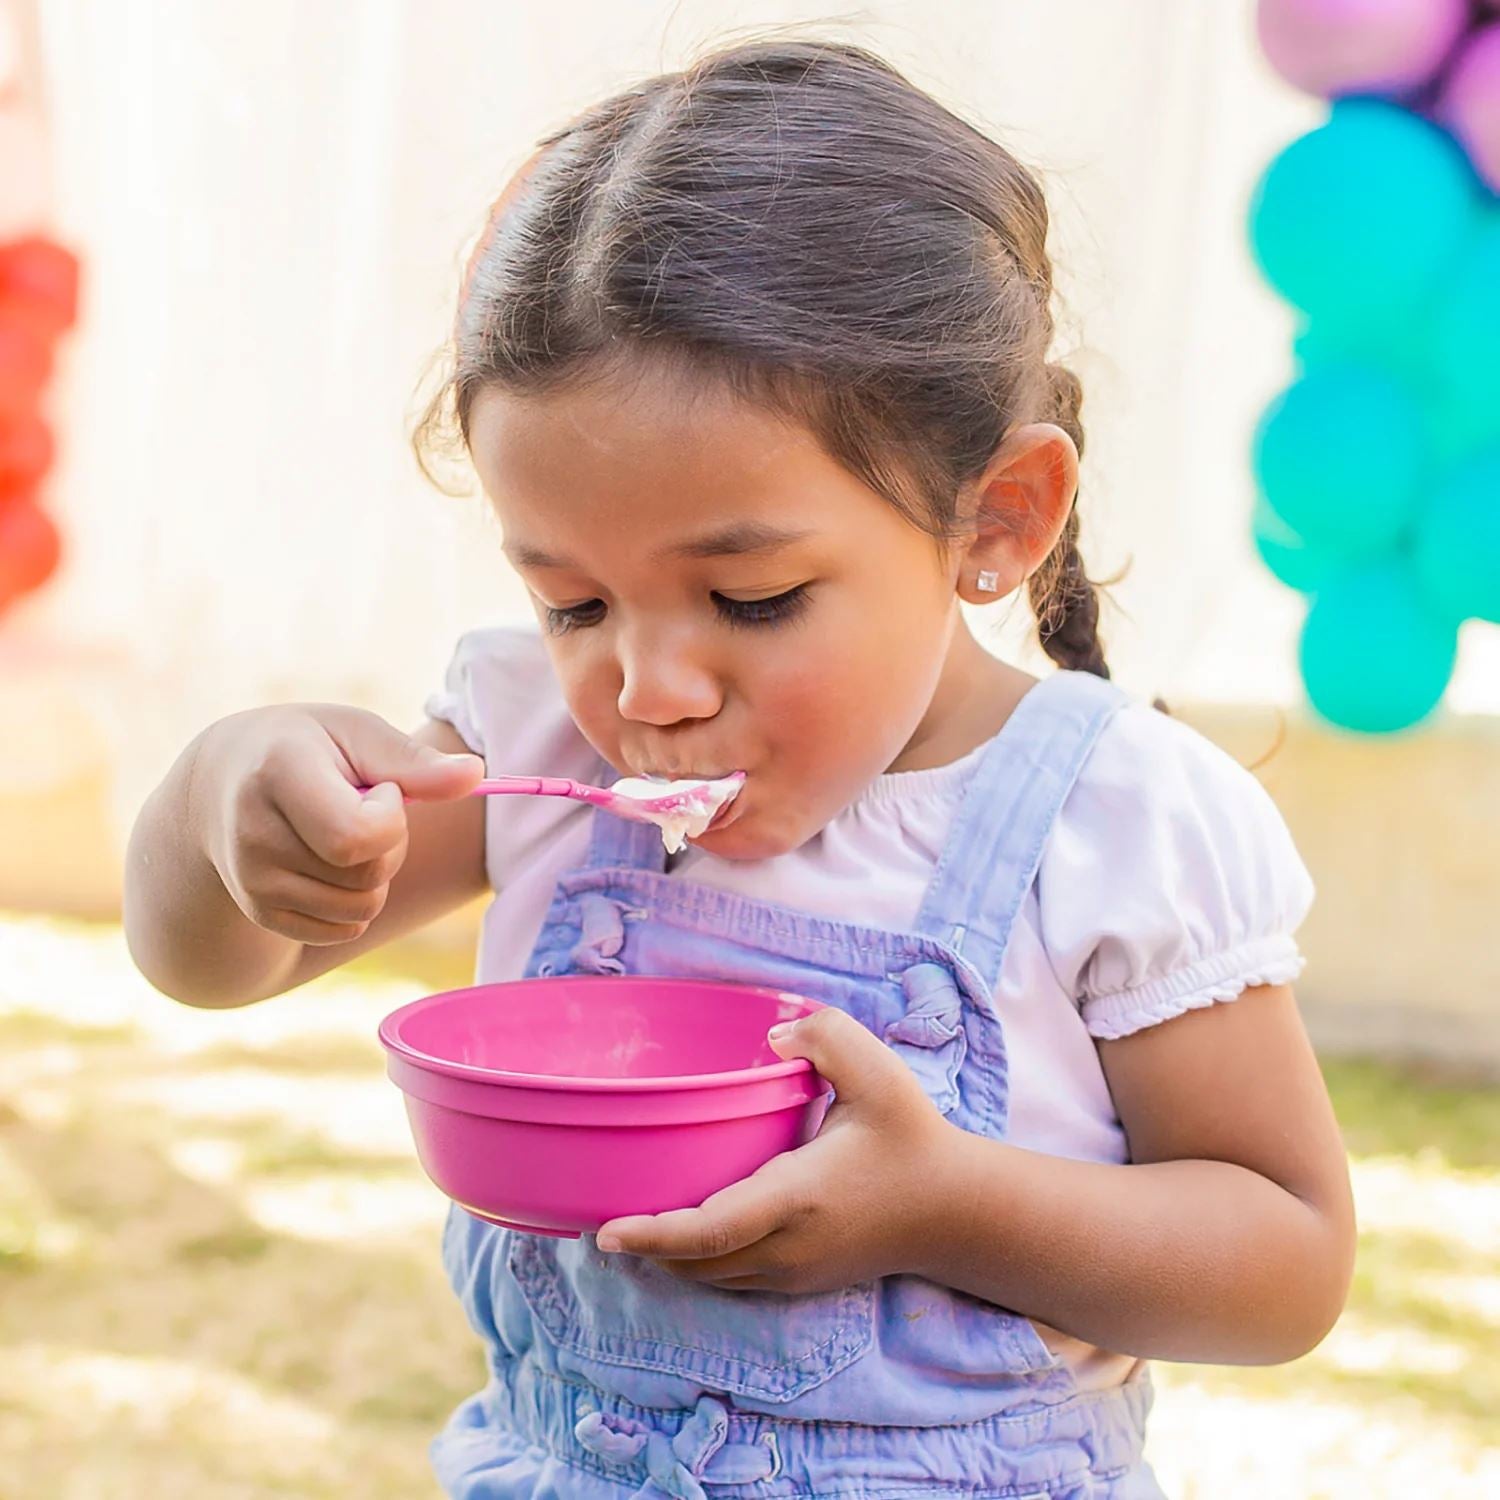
(736, 539)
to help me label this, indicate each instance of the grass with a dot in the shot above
(219, 1274)
(1430, 1117)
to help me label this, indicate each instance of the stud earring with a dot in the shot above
(988, 583)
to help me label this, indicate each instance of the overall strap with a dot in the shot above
(1001, 826)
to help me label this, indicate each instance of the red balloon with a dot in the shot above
(25, 364)
(37, 271)
(13, 491)
(26, 451)
(30, 549)
(36, 317)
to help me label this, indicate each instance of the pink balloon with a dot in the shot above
(1470, 102)
(1333, 48)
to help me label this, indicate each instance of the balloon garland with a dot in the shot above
(1378, 468)
(38, 302)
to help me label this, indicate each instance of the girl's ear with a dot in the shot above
(1015, 511)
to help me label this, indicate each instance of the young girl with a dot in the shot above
(752, 363)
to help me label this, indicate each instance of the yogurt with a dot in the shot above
(694, 806)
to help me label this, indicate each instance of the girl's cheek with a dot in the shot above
(599, 699)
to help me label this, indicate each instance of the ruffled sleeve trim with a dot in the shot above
(1225, 976)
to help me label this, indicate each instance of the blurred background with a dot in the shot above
(218, 1268)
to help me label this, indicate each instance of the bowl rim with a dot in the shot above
(398, 1046)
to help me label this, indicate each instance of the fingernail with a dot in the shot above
(609, 1243)
(780, 1029)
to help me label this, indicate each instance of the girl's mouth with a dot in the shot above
(691, 807)
(726, 814)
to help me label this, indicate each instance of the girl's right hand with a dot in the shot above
(272, 801)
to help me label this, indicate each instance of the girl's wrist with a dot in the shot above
(958, 1186)
(202, 773)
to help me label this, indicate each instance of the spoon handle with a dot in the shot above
(542, 786)
(537, 786)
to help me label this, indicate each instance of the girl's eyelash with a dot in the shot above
(776, 610)
(574, 617)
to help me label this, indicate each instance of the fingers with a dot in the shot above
(311, 772)
(301, 928)
(300, 848)
(379, 752)
(284, 885)
(289, 894)
(270, 839)
(757, 1268)
(858, 1065)
(369, 876)
(345, 828)
(737, 1216)
(341, 827)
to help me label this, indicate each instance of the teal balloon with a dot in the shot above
(1286, 554)
(1401, 346)
(1339, 457)
(1374, 658)
(1456, 430)
(1466, 340)
(1359, 219)
(1457, 552)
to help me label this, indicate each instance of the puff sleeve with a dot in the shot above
(1170, 881)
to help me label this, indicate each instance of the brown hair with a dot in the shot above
(801, 222)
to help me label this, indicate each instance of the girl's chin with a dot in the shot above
(748, 837)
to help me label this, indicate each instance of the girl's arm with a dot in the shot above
(256, 866)
(1229, 1238)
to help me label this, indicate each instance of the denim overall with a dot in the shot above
(610, 1378)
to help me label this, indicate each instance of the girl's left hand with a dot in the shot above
(855, 1203)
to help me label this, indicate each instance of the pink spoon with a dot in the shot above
(687, 809)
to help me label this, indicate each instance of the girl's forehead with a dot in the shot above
(647, 449)
(603, 421)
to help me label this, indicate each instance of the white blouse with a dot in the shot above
(1169, 882)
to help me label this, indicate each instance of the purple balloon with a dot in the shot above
(1470, 102)
(1334, 48)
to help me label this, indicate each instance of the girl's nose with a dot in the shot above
(664, 685)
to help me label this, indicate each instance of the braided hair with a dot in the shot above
(1065, 602)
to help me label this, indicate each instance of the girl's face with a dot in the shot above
(719, 595)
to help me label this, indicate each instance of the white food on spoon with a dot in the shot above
(705, 798)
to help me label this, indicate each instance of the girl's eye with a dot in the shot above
(574, 616)
(777, 610)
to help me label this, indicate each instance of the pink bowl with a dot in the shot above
(553, 1105)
